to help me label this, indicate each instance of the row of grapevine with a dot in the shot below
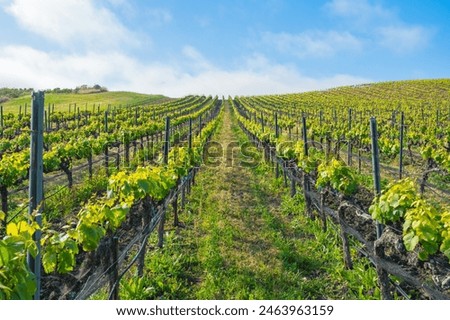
(99, 219)
(63, 148)
(324, 176)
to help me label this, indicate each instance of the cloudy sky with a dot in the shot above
(225, 47)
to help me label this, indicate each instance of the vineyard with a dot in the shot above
(336, 194)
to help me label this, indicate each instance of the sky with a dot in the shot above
(221, 47)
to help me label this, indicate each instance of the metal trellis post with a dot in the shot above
(36, 181)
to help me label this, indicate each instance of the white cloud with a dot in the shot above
(118, 3)
(159, 16)
(269, 79)
(313, 43)
(71, 22)
(203, 21)
(362, 10)
(381, 25)
(22, 66)
(125, 7)
(403, 39)
(196, 61)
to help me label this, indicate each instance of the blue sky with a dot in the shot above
(224, 47)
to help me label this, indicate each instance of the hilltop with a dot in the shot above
(62, 100)
(405, 91)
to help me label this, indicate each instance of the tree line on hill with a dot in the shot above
(11, 93)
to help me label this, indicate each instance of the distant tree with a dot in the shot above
(11, 93)
(59, 90)
(85, 89)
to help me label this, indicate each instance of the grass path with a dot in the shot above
(239, 235)
(245, 239)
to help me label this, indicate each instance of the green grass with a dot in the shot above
(62, 101)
